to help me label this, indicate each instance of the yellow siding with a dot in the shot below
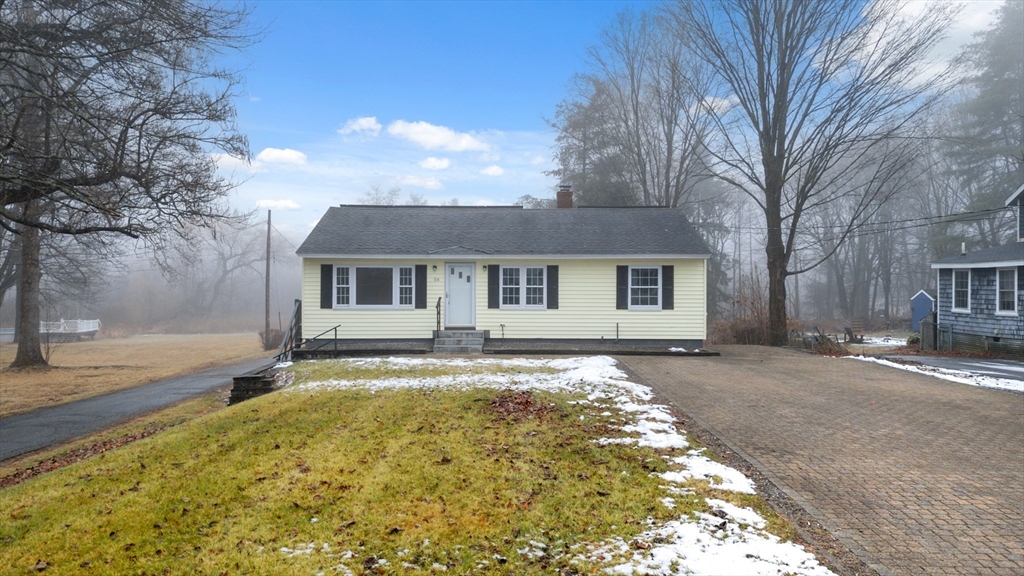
(586, 298)
(352, 323)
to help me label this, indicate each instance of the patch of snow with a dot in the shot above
(881, 342)
(697, 466)
(711, 545)
(741, 515)
(677, 349)
(951, 375)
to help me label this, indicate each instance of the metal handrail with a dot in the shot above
(438, 307)
(334, 341)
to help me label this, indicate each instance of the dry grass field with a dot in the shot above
(89, 368)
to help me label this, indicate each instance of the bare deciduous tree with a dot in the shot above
(807, 91)
(109, 113)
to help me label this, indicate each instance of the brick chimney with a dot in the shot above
(564, 198)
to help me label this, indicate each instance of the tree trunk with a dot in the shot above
(30, 352)
(777, 262)
(777, 328)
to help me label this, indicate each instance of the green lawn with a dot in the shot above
(353, 481)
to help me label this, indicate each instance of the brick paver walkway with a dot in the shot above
(915, 474)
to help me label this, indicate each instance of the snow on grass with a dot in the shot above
(731, 540)
(882, 342)
(719, 476)
(951, 375)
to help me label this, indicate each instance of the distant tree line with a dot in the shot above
(823, 133)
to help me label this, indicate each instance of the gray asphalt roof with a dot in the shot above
(1013, 252)
(501, 231)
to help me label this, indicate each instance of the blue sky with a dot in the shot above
(459, 92)
(442, 99)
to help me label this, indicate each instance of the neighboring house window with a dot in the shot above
(644, 287)
(1006, 291)
(523, 286)
(374, 286)
(962, 290)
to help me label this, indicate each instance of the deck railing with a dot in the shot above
(70, 326)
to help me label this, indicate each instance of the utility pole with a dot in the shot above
(266, 330)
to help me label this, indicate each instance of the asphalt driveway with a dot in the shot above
(916, 475)
(53, 425)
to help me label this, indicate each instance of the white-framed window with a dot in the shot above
(961, 290)
(644, 288)
(373, 286)
(523, 286)
(1006, 291)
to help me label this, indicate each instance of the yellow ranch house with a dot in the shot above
(457, 278)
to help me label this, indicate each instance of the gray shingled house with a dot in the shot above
(453, 276)
(980, 297)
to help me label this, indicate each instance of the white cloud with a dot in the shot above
(716, 105)
(277, 205)
(281, 156)
(537, 160)
(433, 137)
(494, 170)
(432, 163)
(485, 203)
(231, 163)
(254, 98)
(430, 183)
(362, 125)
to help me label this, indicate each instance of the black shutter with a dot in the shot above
(667, 287)
(622, 287)
(552, 287)
(327, 285)
(421, 286)
(493, 286)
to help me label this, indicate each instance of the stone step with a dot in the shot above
(458, 342)
(458, 349)
(460, 334)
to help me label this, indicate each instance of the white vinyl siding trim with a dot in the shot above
(645, 287)
(523, 287)
(347, 279)
(1006, 291)
(961, 291)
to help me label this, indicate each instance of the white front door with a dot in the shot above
(460, 291)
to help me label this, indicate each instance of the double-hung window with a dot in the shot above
(644, 288)
(961, 290)
(1006, 291)
(523, 286)
(373, 286)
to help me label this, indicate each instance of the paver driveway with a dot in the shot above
(915, 474)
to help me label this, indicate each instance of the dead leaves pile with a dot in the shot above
(519, 406)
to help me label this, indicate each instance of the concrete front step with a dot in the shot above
(459, 342)
(458, 349)
(460, 334)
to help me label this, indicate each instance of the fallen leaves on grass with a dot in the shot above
(520, 405)
(73, 456)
